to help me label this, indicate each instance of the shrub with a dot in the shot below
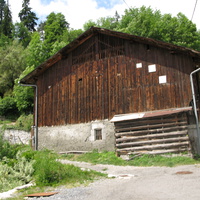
(6, 149)
(49, 172)
(8, 107)
(18, 174)
(24, 122)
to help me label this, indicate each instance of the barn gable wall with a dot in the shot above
(107, 75)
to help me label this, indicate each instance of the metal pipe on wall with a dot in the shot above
(36, 113)
(195, 107)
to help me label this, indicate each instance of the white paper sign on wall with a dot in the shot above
(138, 65)
(152, 68)
(162, 79)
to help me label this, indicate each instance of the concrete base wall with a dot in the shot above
(77, 137)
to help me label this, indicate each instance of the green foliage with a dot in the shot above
(22, 34)
(36, 51)
(24, 96)
(89, 24)
(11, 66)
(50, 172)
(70, 35)
(109, 22)
(54, 28)
(144, 160)
(27, 16)
(56, 47)
(24, 122)
(18, 174)
(8, 150)
(146, 22)
(6, 25)
(4, 41)
(8, 107)
(2, 6)
(150, 23)
(95, 157)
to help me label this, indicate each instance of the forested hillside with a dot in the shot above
(26, 44)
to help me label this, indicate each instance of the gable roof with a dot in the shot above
(32, 77)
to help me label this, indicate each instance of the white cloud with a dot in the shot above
(77, 12)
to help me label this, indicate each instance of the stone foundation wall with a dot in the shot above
(17, 136)
(77, 137)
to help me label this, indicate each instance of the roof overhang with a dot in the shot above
(157, 113)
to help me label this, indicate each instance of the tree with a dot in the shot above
(40, 29)
(36, 51)
(54, 28)
(89, 24)
(104, 22)
(2, 6)
(24, 96)
(141, 21)
(4, 39)
(22, 34)
(11, 66)
(148, 23)
(27, 16)
(71, 34)
(8, 107)
(185, 33)
(6, 23)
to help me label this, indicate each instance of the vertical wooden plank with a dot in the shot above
(106, 88)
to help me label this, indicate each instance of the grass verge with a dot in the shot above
(144, 160)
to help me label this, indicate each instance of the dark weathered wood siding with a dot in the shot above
(99, 79)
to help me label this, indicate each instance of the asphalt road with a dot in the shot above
(137, 183)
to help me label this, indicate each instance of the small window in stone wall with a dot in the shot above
(98, 134)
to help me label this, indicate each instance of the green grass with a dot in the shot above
(47, 171)
(5, 122)
(144, 160)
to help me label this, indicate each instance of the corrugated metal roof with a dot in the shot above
(131, 116)
(32, 77)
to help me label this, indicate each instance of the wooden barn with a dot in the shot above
(108, 90)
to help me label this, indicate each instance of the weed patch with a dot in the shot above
(144, 160)
(49, 172)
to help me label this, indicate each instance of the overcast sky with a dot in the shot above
(77, 12)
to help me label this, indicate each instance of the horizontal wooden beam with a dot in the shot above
(151, 136)
(150, 126)
(152, 147)
(156, 152)
(146, 142)
(137, 122)
(143, 132)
